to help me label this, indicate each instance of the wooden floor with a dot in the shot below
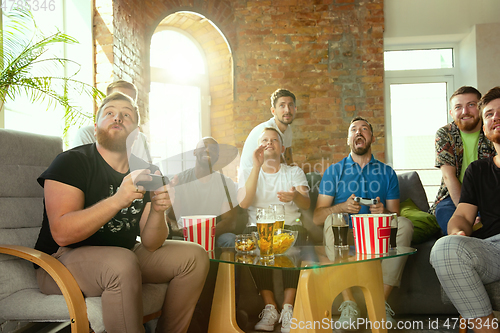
(414, 324)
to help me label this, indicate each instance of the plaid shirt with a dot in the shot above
(450, 151)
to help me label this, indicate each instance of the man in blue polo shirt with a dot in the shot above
(361, 175)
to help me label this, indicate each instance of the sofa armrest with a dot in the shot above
(65, 281)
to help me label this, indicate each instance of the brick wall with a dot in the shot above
(328, 52)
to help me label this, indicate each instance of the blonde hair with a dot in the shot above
(118, 96)
(271, 129)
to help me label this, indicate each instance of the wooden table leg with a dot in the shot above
(318, 288)
(223, 313)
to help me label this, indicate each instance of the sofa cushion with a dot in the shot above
(411, 187)
(424, 224)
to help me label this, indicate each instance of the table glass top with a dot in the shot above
(304, 257)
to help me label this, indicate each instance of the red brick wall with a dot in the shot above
(328, 52)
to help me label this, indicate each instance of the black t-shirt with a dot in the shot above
(480, 188)
(84, 168)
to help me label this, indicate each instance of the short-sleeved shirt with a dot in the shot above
(449, 151)
(480, 188)
(206, 196)
(251, 143)
(84, 168)
(268, 186)
(346, 177)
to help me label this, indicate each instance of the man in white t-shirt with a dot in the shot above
(86, 134)
(267, 182)
(283, 108)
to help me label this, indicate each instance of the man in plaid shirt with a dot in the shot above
(457, 145)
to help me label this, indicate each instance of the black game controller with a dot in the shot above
(154, 184)
(365, 201)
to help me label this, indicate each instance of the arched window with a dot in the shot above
(179, 113)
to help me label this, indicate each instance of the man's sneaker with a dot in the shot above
(349, 315)
(389, 313)
(269, 318)
(286, 318)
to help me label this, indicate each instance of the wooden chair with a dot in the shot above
(23, 157)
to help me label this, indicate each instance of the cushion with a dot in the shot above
(424, 224)
(411, 187)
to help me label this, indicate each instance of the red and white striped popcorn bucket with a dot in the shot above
(371, 233)
(200, 229)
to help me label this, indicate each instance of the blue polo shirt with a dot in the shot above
(346, 177)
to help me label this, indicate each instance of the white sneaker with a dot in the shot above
(349, 315)
(389, 313)
(269, 318)
(286, 318)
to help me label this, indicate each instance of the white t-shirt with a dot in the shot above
(251, 142)
(205, 196)
(85, 135)
(268, 186)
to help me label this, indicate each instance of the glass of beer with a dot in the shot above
(340, 226)
(394, 231)
(265, 232)
(279, 215)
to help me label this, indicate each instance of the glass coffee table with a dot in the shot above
(324, 273)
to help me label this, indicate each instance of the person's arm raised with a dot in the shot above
(246, 195)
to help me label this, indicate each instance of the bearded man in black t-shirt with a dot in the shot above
(94, 210)
(468, 258)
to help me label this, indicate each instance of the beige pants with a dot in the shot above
(116, 274)
(392, 269)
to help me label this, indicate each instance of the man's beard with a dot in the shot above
(466, 127)
(493, 136)
(285, 122)
(361, 150)
(115, 143)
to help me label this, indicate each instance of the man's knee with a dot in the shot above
(447, 247)
(123, 263)
(405, 231)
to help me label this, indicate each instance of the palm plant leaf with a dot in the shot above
(26, 68)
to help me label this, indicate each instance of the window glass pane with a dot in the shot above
(175, 123)
(175, 52)
(417, 111)
(418, 59)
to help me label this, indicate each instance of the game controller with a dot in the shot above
(365, 201)
(155, 183)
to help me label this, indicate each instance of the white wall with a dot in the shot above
(467, 61)
(488, 56)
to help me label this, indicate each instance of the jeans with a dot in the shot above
(444, 212)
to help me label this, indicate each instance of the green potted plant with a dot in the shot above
(27, 70)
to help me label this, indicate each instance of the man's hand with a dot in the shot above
(351, 206)
(161, 199)
(458, 233)
(258, 156)
(378, 208)
(287, 196)
(128, 190)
